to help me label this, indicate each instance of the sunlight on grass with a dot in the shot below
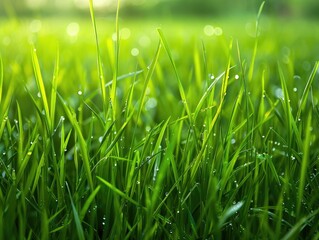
(159, 129)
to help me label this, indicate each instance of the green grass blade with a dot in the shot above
(77, 219)
(24, 162)
(147, 79)
(229, 212)
(99, 62)
(303, 100)
(252, 64)
(40, 84)
(180, 85)
(118, 191)
(212, 123)
(83, 147)
(304, 164)
(21, 136)
(206, 94)
(54, 88)
(88, 202)
(286, 106)
(116, 67)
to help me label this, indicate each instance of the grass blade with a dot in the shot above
(229, 212)
(252, 64)
(40, 84)
(83, 147)
(180, 85)
(118, 191)
(77, 220)
(147, 79)
(88, 202)
(302, 102)
(99, 62)
(304, 164)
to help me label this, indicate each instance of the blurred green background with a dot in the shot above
(284, 8)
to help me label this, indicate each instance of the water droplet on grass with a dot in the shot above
(80, 92)
(279, 93)
(150, 104)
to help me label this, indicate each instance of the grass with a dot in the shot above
(165, 133)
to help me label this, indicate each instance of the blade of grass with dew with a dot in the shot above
(98, 52)
(129, 99)
(152, 201)
(223, 92)
(92, 94)
(252, 64)
(5, 102)
(304, 165)
(116, 67)
(118, 135)
(54, 88)
(117, 191)
(163, 167)
(246, 95)
(157, 150)
(88, 202)
(147, 79)
(229, 212)
(206, 94)
(63, 144)
(230, 129)
(25, 160)
(180, 85)
(77, 220)
(41, 88)
(302, 101)
(286, 106)
(19, 124)
(83, 148)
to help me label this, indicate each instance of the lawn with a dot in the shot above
(186, 128)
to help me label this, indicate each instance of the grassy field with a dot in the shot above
(210, 130)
